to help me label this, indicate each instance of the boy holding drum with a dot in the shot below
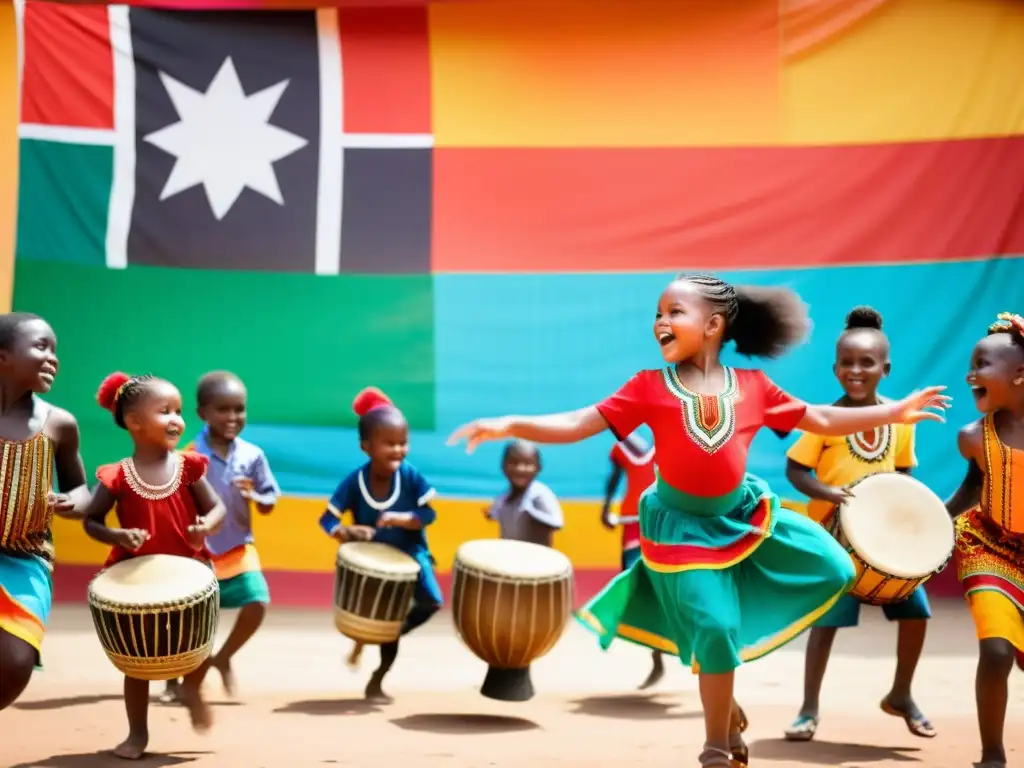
(823, 468)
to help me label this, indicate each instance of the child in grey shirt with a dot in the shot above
(528, 510)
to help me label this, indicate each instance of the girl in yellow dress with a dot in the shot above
(989, 512)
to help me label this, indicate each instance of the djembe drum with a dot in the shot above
(373, 591)
(898, 534)
(511, 601)
(156, 615)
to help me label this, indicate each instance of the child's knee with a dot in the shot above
(997, 656)
(17, 661)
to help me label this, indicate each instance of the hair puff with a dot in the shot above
(370, 399)
(864, 317)
(106, 396)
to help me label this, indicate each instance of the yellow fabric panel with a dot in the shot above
(291, 539)
(603, 73)
(913, 70)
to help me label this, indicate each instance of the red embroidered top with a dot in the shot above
(639, 471)
(701, 441)
(165, 511)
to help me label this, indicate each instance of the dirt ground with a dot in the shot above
(300, 706)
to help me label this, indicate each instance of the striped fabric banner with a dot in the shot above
(473, 205)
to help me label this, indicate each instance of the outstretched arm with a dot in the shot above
(835, 421)
(566, 427)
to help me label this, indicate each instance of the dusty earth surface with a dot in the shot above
(298, 705)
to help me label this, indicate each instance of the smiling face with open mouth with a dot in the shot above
(681, 323)
(32, 357)
(862, 359)
(157, 419)
(997, 361)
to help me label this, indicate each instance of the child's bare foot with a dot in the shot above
(171, 694)
(132, 748)
(198, 710)
(226, 675)
(375, 691)
(355, 656)
(657, 672)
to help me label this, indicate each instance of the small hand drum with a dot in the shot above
(511, 601)
(373, 591)
(898, 534)
(156, 615)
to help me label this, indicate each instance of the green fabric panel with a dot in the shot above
(63, 197)
(303, 344)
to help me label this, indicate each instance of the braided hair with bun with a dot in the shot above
(761, 321)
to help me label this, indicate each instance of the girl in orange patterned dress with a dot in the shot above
(989, 512)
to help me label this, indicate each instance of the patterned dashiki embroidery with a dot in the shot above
(709, 420)
(871, 446)
(26, 471)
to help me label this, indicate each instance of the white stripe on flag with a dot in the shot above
(19, 40)
(122, 188)
(331, 171)
(387, 140)
(65, 134)
(105, 137)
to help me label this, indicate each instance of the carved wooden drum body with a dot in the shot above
(373, 591)
(511, 601)
(898, 534)
(156, 615)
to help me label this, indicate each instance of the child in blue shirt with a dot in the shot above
(389, 501)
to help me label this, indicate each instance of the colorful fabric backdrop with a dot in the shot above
(474, 205)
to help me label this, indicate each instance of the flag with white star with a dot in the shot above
(230, 149)
(198, 188)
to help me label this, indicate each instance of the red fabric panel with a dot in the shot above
(386, 70)
(68, 75)
(568, 210)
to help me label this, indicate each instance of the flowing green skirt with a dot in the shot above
(723, 580)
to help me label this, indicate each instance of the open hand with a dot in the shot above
(59, 503)
(923, 405)
(359, 533)
(197, 533)
(838, 496)
(131, 538)
(244, 486)
(480, 431)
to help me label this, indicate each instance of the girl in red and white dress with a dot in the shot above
(165, 506)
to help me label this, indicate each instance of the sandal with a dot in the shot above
(740, 752)
(712, 756)
(919, 725)
(803, 728)
(740, 721)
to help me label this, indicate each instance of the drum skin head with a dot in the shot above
(152, 580)
(517, 559)
(375, 556)
(898, 525)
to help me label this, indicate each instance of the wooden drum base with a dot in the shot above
(508, 684)
(363, 630)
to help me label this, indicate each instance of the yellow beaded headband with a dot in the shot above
(121, 389)
(1008, 322)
